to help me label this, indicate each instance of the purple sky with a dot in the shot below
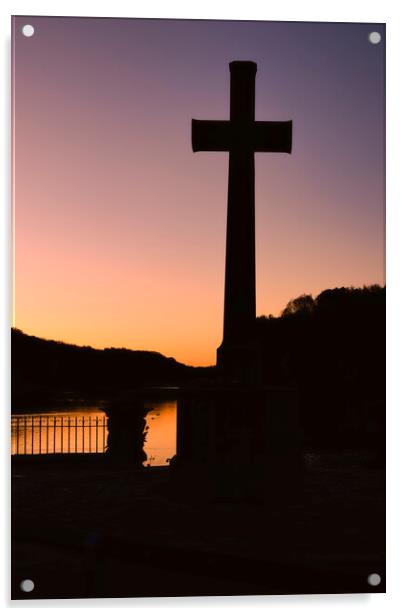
(120, 228)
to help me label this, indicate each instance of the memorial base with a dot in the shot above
(236, 441)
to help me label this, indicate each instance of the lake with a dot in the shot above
(83, 428)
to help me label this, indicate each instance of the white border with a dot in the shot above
(388, 11)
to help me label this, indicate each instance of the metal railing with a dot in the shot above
(50, 434)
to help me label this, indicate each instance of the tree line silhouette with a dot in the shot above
(331, 348)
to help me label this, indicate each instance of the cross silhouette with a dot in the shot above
(241, 136)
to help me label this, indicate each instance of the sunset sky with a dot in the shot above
(119, 228)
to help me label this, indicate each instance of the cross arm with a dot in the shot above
(223, 136)
(210, 135)
(272, 136)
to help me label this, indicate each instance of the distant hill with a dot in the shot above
(47, 371)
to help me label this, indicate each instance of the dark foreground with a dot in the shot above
(83, 529)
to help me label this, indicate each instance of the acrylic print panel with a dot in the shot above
(198, 401)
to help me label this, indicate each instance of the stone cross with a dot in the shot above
(241, 136)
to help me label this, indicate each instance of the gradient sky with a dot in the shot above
(120, 229)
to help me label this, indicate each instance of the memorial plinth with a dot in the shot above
(238, 440)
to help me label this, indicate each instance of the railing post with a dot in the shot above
(16, 423)
(40, 434)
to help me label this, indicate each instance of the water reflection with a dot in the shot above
(84, 429)
(160, 443)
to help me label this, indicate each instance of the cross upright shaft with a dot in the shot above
(240, 285)
(241, 137)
